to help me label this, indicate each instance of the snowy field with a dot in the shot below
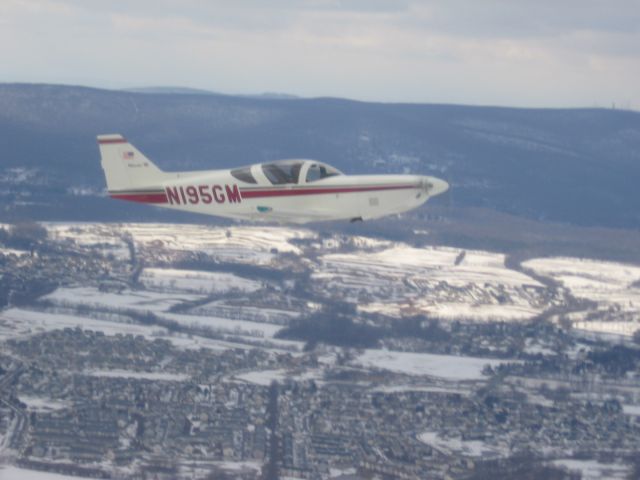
(129, 299)
(109, 308)
(101, 236)
(265, 377)
(159, 304)
(16, 323)
(448, 367)
(12, 251)
(41, 404)
(244, 311)
(457, 446)
(256, 245)
(155, 376)
(593, 470)
(239, 244)
(438, 281)
(633, 410)
(9, 472)
(380, 276)
(196, 470)
(195, 281)
(421, 388)
(615, 287)
(226, 325)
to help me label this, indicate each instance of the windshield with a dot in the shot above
(318, 171)
(280, 173)
(244, 174)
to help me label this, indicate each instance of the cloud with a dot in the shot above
(496, 51)
(543, 18)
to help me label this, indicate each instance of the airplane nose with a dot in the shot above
(434, 186)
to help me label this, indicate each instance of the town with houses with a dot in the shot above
(163, 351)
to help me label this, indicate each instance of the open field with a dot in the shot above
(424, 364)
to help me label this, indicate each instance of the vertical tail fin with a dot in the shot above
(129, 174)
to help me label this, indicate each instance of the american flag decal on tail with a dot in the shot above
(127, 155)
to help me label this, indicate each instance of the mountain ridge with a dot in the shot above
(567, 165)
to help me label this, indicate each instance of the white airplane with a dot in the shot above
(287, 191)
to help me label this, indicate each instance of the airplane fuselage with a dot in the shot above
(296, 191)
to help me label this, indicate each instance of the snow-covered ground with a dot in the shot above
(101, 236)
(437, 281)
(9, 472)
(265, 377)
(159, 304)
(364, 243)
(422, 388)
(42, 404)
(533, 346)
(615, 287)
(256, 245)
(19, 323)
(239, 466)
(202, 470)
(219, 308)
(226, 325)
(194, 281)
(606, 328)
(240, 244)
(457, 446)
(155, 302)
(339, 472)
(157, 376)
(594, 470)
(633, 410)
(128, 299)
(380, 276)
(443, 366)
(12, 251)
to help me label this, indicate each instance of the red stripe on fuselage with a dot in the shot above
(141, 197)
(286, 192)
(161, 197)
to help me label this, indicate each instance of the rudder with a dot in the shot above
(129, 174)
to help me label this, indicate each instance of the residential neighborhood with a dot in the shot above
(131, 355)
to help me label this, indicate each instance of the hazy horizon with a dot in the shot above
(182, 89)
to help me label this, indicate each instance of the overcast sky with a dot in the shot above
(548, 53)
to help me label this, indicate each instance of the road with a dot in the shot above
(18, 426)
